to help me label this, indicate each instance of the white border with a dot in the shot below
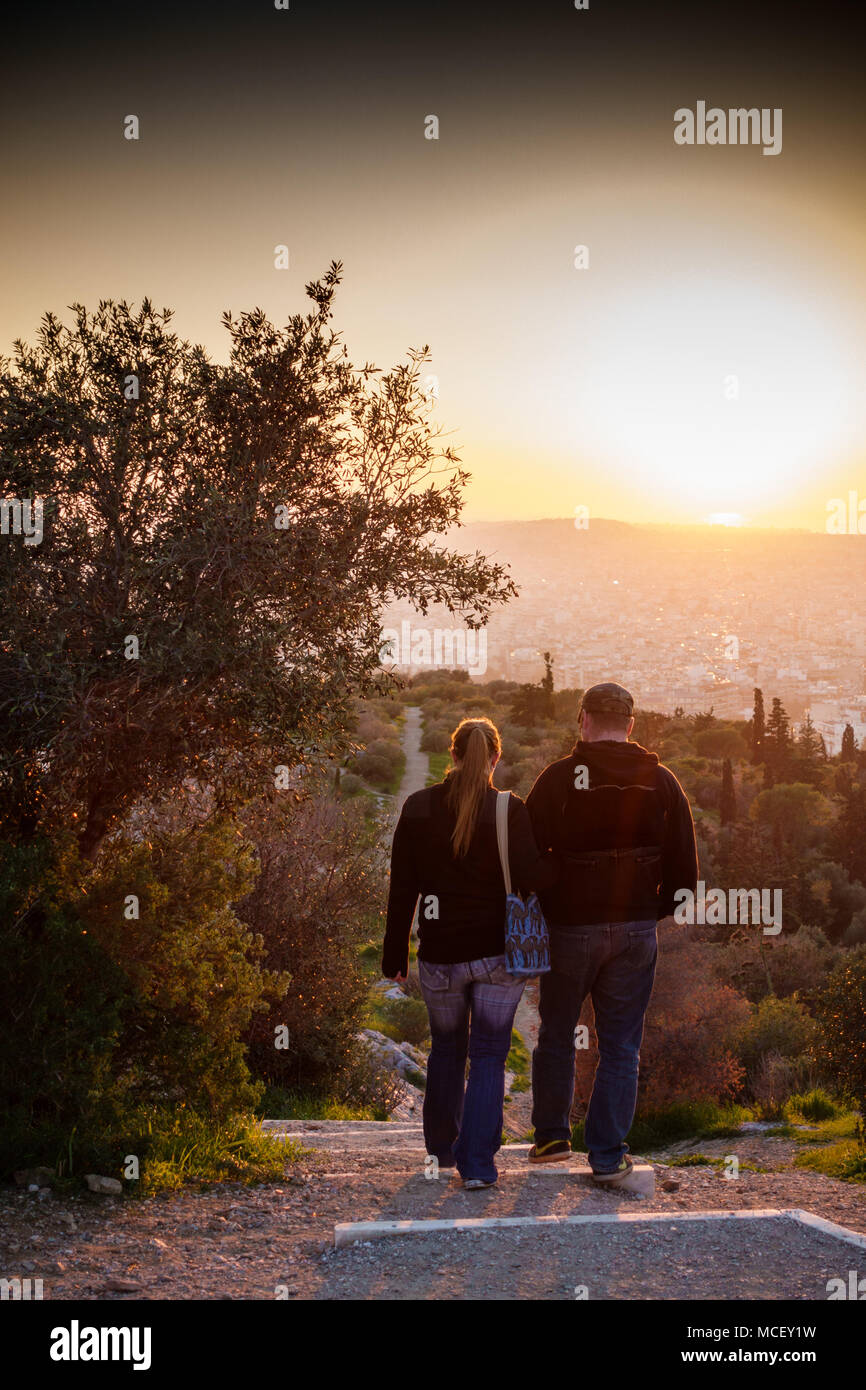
(349, 1232)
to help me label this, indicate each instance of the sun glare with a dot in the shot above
(718, 398)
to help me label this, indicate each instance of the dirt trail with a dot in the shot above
(277, 1240)
(417, 766)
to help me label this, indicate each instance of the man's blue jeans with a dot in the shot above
(614, 962)
(471, 1007)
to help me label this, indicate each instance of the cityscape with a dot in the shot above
(689, 617)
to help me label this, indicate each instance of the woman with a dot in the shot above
(445, 850)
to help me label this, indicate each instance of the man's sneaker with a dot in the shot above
(474, 1183)
(615, 1178)
(554, 1152)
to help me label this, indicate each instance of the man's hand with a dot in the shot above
(400, 979)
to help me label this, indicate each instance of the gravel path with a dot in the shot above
(417, 764)
(277, 1240)
(770, 1259)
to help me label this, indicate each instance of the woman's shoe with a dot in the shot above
(474, 1183)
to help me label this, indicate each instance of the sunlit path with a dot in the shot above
(417, 763)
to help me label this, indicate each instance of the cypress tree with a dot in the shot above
(849, 745)
(728, 804)
(777, 740)
(758, 727)
(547, 686)
(808, 744)
(808, 751)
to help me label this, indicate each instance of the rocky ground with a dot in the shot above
(277, 1241)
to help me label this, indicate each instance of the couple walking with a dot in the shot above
(605, 838)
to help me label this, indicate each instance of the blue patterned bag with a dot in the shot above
(527, 943)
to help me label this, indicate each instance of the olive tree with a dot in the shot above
(218, 543)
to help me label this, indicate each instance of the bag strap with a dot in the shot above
(502, 800)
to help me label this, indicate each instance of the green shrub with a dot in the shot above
(405, 1020)
(782, 1027)
(63, 1001)
(841, 1016)
(380, 764)
(686, 1052)
(843, 1126)
(180, 1147)
(772, 1082)
(855, 933)
(365, 1083)
(412, 984)
(112, 1013)
(436, 738)
(351, 784)
(314, 907)
(845, 1160)
(518, 1061)
(279, 1103)
(721, 742)
(814, 1105)
(363, 1089)
(656, 1129)
(439, 764)
(195, 967)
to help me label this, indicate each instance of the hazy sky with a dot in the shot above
(714, 271)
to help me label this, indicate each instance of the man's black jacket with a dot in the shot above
(621, 831)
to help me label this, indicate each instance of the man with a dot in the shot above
(620, 826)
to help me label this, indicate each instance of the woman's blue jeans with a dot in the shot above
(471, 1007)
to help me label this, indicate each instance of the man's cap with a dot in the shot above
(607, 698)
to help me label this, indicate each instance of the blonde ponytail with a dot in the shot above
(475, 742)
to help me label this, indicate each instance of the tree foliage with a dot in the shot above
(243, 523)
(688, 1049)
(316, 900)
(841, 1012)
(728, 798)
(849, 744)
(127, 988)
(757, 726)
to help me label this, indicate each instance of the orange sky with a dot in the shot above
(711, 359)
